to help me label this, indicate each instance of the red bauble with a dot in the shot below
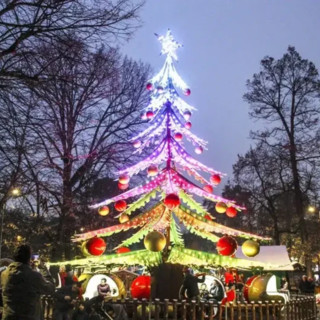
(152, 171)
(187, 92)
(187, 115)
(231, 212)
(227, 246)
(215, 179)
(120, 205)
(137, 144)
(149, 115)
(208, 217)
(188, 125)
(123, 250)
(171, 200)
(103, 211)
(149, 86)
(96, 246)
(178, 136)
(141, 287)
(123, 186)
(124, 179)
(198, 150)
(208, 188)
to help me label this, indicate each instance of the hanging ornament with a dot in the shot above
(187, 92)
(149, 86)
(155, 241)
(188, 125)
(178, 136)
(149, 115)
(137, 144)
(250, 248)
(103, 211)
(120, 205)
(231, 212)
(122, 250)
(152, 171)
(96, 246)
(208, 188)
(221, 207)
(123, 186)
(160, 89)
(84, 249)
(187, 115)
(124, 179)
(227, 246)
(141, 287)
(208, 217)
(171, 201)
(215, 179)
(143, 116)
(124, 218)
(198, 150)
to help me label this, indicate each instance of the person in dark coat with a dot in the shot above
(190, 284)
(22, 287)
(80, 313)
(66, 299)
(304, 285)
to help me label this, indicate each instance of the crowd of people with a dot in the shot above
(24, 281)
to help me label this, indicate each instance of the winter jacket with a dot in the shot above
(21, 290)
(190, 284)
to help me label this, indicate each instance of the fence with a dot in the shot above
(297, 309)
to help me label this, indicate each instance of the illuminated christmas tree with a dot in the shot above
(167, 185)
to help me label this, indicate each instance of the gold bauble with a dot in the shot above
(155, 241)
(123, 218)
(250, 248)
(221, 207)
(84, 249)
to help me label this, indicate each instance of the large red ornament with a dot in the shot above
(103, 211)
(198, 150)
(187, 92)
(231, 212)
(187, 115)
(124, 179)
(123, 186)
(141, 287)
(123, 250)
(152, 171)
(120, 205)
(215, 179)
(149, 86)
(149, 115)
(227, 246)
(208, 188)
(96, 246)
(188, 125)
(178, 136)
(171, 201)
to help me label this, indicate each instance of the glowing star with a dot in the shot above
(169, 45)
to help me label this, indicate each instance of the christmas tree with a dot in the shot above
(175, 178)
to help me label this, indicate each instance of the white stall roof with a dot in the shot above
(272, 257)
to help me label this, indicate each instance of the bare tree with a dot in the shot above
(84, 109)
(285, 95)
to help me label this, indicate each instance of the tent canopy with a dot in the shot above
(273, 258)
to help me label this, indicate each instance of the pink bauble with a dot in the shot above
(187, 115)
(187, 92)
(188, 125)
(149, 86)
(149, 115)
(152, 171)
(208, 188)
(137, 144)
(198, 150)
(178, 136)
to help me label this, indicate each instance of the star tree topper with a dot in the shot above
(169, 45)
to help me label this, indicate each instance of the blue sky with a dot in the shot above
(224, 41)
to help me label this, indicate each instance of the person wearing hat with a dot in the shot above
(22, 287)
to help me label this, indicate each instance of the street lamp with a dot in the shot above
(311, 209)
(14, 192)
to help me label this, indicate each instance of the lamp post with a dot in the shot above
(14, 192)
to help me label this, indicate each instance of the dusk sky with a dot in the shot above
(224, 41)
